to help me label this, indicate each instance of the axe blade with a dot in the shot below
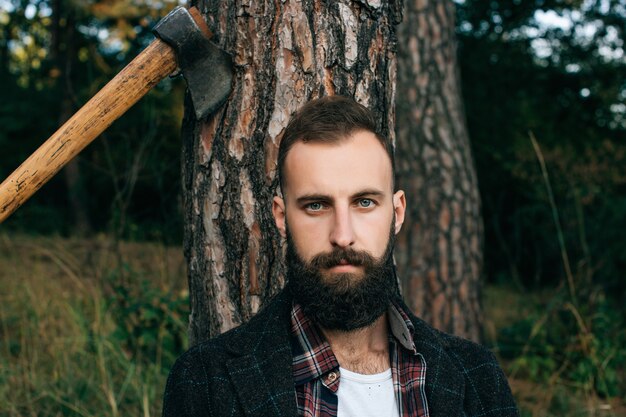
(206, 68)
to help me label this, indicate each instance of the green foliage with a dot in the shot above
(579, 348)
(150, 321)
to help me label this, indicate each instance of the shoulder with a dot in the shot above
(202, 372)
(468, 354)
(195, 376)
(477, 363)
(268, 327)
(486, 389)
(464, 354)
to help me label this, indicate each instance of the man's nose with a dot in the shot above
(342, 234)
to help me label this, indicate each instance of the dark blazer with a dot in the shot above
(247, 372)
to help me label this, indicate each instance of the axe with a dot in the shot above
(182, 42)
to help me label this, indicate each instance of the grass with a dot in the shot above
(69, 340)
(91, 328)
(536, 371)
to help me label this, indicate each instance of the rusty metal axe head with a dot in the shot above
(206, 68)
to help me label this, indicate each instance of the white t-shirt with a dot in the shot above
(366, 395)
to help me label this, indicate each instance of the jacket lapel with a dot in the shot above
(261, 373)
(263, 390)
(445, 384)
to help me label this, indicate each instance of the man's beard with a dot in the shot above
(342, 301)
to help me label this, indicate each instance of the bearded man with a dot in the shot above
(338, 341)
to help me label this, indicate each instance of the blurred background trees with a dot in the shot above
(555, 69)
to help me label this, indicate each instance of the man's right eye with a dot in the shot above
(314, 206)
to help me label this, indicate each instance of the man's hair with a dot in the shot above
(329, 119)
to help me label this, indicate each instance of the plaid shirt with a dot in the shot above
(316, 369)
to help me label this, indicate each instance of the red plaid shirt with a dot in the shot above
(316, 370)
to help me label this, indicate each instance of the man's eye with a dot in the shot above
(315, 206)
(365, 203)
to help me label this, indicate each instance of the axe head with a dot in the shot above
(206, 68)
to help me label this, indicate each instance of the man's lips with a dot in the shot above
(343, 266)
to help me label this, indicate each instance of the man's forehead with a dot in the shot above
(356, 162)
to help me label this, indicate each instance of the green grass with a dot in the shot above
(72, 341)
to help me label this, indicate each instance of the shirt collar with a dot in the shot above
(402, 327)
(312, 355)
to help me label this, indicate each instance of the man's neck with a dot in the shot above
(364, 351)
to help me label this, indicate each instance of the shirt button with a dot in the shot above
(332, 376)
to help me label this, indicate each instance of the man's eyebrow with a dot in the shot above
(370, 192)
(307, 198)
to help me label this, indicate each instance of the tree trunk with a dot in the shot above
(4, 50)
(439, 252)
(63, 53)
(284, 54)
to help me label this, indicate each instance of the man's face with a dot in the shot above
(339, 200)
(339, 196)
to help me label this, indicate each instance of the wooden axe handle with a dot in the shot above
(152, 65)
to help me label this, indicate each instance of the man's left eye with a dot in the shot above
(365, 203)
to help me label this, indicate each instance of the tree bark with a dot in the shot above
(284, 53)
(439, 251)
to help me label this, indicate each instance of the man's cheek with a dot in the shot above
(308, 248)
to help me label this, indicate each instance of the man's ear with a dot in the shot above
(278, 210)
(399, 208)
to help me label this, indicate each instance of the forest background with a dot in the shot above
(94, 300)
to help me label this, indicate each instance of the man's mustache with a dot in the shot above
(339, 256)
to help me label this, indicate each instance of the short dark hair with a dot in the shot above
(329, 119)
